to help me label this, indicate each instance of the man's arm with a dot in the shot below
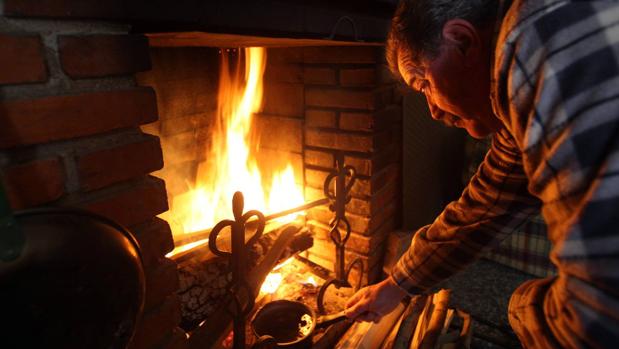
(495, 203)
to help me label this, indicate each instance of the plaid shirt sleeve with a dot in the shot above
(557, 89)
(495, 202)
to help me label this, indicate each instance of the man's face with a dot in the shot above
(458, 93)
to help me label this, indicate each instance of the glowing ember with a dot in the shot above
(231, 165)
(312, 281)
(271, 283)
(283, 264)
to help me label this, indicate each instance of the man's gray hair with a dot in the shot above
(417, 24)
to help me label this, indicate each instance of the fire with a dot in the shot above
(271, 283)
(231, 165)
(312, 281)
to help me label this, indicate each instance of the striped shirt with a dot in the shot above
(555, 86)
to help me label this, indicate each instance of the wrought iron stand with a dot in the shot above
(238, 263)
(343, 178)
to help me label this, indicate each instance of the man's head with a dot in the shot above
(442, 49)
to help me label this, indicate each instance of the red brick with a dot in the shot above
(278, 55)
(368, 166)
(55, 118)
(359, 224)
(161, 281)
(356, 121)
(155, 239)
(319, 76)
(315, 178)
(368, 225)
(341, 54)
(321, 214)
(363, 244)
(362, 188)
(359, 206)
(107, 166)
(279, 133)
(340, 98)
(383, 216)
(180, 148)
(111, 9)
(21, 59)
(362, 166)
(94, 56)
(34, 183)
(318, 158)
(136, 204)
(320, 118)
(283, 99)
(172, 126)
(390, 174)
(185, 97)
(374, 204)
(283, 73)
(312, 194)
(339, 141)
(358, 77)
(156, 323)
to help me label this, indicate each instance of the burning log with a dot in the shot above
(204, 284)
(204, 234)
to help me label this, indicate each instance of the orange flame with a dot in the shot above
(231, 166)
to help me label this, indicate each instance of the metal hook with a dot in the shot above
(337, 25)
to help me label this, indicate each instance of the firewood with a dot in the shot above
(216, 326)
(409, 322)
(368, 335)
(422, 323)
(388, 342)
(437, 320)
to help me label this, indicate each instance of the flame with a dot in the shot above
(230, 164)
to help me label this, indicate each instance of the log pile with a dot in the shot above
(423, 322)
(204, 281)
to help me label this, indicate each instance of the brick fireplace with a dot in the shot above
(90, 111)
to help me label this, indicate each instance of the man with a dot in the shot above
(541, 77)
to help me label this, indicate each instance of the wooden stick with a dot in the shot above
(411, 317)
(437, 320)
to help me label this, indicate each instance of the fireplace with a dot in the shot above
(97, 100)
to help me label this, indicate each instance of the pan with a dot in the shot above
(291, 324)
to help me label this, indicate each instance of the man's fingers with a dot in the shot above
(355, 298)
(357, 309)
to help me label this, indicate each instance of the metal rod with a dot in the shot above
(204, 234)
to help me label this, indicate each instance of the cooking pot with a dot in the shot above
(77, 282)
(290, 324)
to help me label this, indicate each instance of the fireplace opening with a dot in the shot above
(311, 106)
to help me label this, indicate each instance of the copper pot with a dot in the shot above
(77, 283)
(290, 324)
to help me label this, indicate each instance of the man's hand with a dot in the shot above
(373, 302)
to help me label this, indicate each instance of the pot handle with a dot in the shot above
(328, 320)
(265, 342)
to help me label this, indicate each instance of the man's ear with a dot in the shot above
(465, 37)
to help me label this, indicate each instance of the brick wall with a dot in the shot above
(70, 114)
(352, 105)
